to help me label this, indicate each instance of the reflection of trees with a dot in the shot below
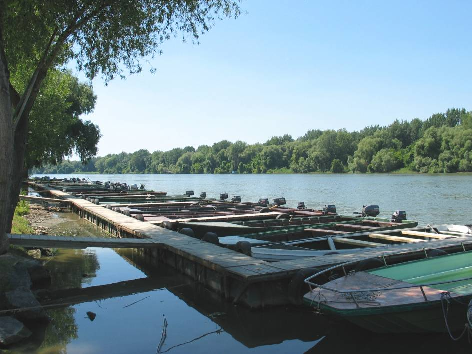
(60, 331)
(68, 269)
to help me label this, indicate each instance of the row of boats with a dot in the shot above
(390, 287)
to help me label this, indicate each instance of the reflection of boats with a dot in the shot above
(426, 295)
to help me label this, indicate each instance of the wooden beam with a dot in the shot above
(268, 215)
(41, 200)
(425, 234)
(395, 238)
(355, 242)
(326, 231)
(357, 227)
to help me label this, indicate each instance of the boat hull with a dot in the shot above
(418, 318)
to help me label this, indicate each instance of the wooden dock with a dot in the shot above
(239, 278)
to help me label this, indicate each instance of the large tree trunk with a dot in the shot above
(18, 168)
(20, 137)
(6, 148)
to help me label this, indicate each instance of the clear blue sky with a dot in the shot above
(285, 67)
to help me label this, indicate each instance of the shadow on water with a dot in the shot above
(130, 313)
(344, 337)
(130, 316)
(249, 327)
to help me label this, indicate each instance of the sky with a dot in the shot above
(288, 66)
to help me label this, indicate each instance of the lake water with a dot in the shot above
(428, 199)
(131, 317)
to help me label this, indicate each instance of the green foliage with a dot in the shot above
(22, 208)
(56, 130)
(337, 166)
(402, 146)
(445, 149)
(20, 225)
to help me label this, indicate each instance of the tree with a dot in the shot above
(56, 129)
(337, 166)
(105, 38)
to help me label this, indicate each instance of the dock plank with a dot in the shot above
(395, 238)
(426, 235)
(354, 242)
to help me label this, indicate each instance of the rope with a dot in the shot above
(445, 298)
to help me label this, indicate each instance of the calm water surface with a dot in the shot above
(130, 319)
(426, 198)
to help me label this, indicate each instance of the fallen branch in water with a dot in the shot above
(218, 331)
(136, 302)
(163, 336)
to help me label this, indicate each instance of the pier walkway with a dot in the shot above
(240, 278)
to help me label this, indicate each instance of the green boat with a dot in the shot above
(427, 295)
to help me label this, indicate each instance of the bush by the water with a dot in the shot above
(20, 225)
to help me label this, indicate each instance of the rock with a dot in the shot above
(40, 277)
(91, 315)
(22, 298)
(36, 253)
(12, 330)
(47, 252)
(19, 277)
(37, 275)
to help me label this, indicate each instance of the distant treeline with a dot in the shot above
(441, 143)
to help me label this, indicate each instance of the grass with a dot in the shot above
(20, 225)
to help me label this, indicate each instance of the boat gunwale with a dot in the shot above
(374, 310)
(343, 265)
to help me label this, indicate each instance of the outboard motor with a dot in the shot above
(236, 199)
(142, 187)
(263, 201)
(280, 201)
(134, 187)
(203, 195)
(301, 205)
(370, 210)
(189, 193)
(330, 208)
(398, 216)
(223, 196)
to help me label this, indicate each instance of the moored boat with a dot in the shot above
(426, 295)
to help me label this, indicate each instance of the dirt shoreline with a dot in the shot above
(42, 219)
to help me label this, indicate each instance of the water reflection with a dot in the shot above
(249, 327)
(69, 269)
(130, 314)
(347, 338)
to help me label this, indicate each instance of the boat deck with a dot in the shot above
(362, 299)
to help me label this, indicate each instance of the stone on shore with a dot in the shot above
(29, 308)
(12, 331)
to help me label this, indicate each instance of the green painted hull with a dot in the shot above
(443, 274)
(417, 318)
